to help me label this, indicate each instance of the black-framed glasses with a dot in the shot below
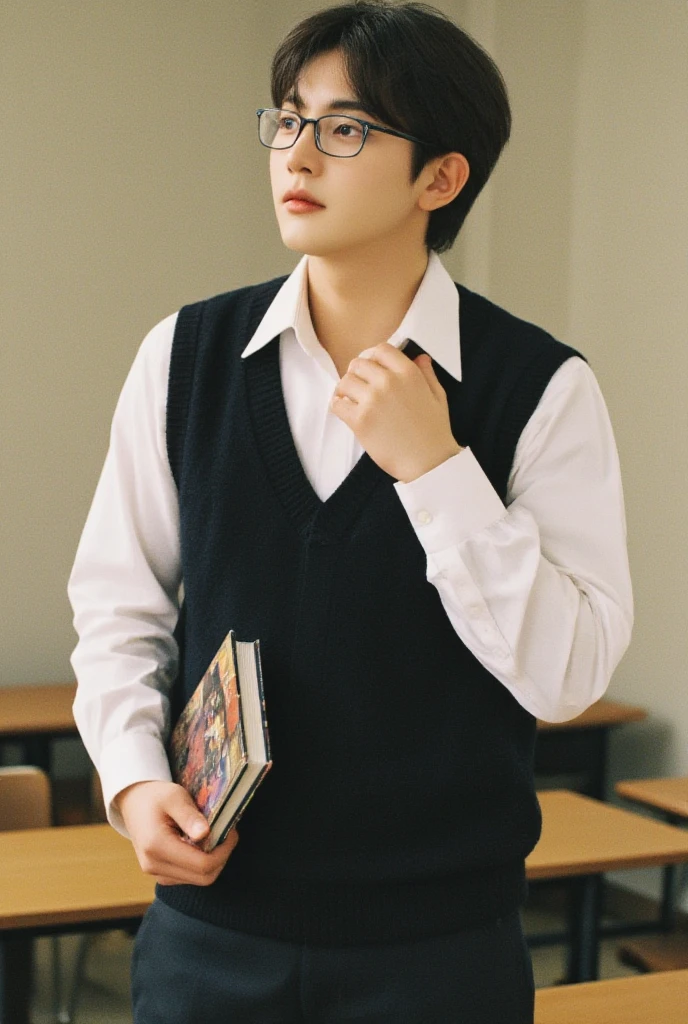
(335, 134)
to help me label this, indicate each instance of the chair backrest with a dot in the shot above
(25, 798)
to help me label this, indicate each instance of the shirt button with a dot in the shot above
(424, 517)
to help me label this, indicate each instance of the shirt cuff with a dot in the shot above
(451, 502)
(135, 757)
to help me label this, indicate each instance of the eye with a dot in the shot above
(348, 130)
(288, 123)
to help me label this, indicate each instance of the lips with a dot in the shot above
(301, 196)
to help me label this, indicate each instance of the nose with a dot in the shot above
(304, 149)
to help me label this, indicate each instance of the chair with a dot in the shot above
(26, 802)
(96, 813)
(25, 798)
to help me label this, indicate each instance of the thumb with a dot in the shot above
(424, 363)
(186, 814)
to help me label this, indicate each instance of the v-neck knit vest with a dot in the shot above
(401, 800)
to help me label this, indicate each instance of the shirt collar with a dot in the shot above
(432, 319)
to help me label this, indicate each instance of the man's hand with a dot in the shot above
(164, 824)
(398, 410)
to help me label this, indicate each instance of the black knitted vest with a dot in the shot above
(401, 801)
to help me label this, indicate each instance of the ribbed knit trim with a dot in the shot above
(533, 368)
(187, 337)
(321, 520)
(347, 915)
(524, 399)
(180, 380)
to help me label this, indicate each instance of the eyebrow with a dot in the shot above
(340, 104)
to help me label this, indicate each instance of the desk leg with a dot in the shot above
(585, 899)
(598, 768)
(3, 980)
(16, 977)
(669, 878)
(668, 911)
(38, 751)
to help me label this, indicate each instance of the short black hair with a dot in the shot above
(418, 72)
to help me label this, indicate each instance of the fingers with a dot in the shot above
(367, 374)
(392, 358)
(352, 388)
(171, 857)
(387, 355)
(361, 375)
(159, 817)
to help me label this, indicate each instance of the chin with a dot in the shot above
(300, 242)
(320, 235)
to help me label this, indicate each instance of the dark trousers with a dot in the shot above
(186, 972)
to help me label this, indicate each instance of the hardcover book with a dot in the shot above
(219, 750)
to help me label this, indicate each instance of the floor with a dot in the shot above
(104, 994)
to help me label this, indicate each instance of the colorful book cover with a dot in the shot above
(207, 749)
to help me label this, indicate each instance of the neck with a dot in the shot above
(356, 303)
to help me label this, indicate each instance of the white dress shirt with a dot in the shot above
(539, 590)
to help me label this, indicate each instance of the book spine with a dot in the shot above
(235, 659)
(245, 802)
(261, 694)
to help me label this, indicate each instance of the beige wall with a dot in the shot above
(132, 182)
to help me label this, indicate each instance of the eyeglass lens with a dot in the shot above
(339, 135)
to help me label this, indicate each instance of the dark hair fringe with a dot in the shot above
(420, 73)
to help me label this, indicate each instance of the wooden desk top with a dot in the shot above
(646, 999)
(37, 709)
(603, 713)
(68, 875)
(666, 794)
(582, 836)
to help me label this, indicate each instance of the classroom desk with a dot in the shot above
(582, 838)
(74, 878)
(647, 999)
(58, 879)
(668, 796)
(580, 745)
(33, 716)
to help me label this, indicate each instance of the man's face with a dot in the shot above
(367, 199)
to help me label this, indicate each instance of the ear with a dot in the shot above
(448, 175)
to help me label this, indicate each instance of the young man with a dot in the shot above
(413, 500)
